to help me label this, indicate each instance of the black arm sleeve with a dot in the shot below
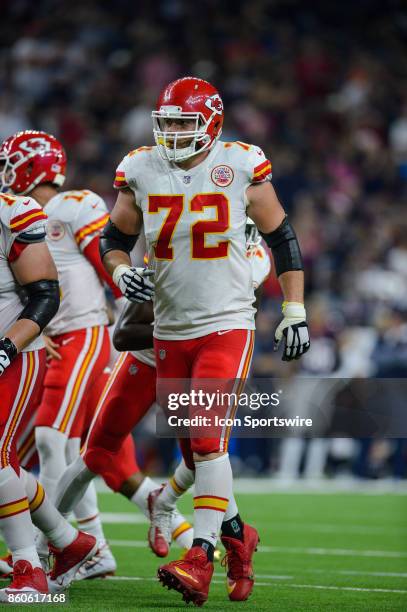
(133, 329)
(286, 250)
(42, 301)
(113, 239)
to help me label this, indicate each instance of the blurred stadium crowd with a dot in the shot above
(320, 89)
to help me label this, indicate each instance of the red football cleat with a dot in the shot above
(68, 560)
(159, 532)
(191, 576)
(26, 579)
(238, 559)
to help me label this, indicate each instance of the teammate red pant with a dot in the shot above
(128, 395)
(27, 452)
(68, 382)
(225, 356)
(20, 388)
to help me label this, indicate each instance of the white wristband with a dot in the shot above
(294, 310)
(118, 273)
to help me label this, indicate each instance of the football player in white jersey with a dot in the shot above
(192, 194)
(134, 330)
(77, 337)
(29, 298)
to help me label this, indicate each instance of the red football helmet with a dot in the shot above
(199, 105)
(30, 158)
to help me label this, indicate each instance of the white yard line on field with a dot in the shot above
(327, 571)
(355, 573)
(290, 585)
(135, 518)
(338, 528)
(341, 552)
(341, 588)
(323, 486)
(261, 576)
(336, 588)
(127, 518)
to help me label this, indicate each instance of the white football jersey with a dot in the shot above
(18, 215)
(74, 219)
(259, 258)
(194, 223)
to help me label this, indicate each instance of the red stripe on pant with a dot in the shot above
(20, 391)
(68, 382)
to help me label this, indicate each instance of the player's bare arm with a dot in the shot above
(134, 330)
(269, 216)
(117, 240)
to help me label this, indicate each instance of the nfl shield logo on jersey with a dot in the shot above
(133, 369)
(55, 230)
(186, 179)
(222, 176)
(162, 354)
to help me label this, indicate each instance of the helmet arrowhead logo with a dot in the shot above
(36, 145)
(215, 104)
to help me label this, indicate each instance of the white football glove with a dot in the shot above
(4, 361)
(294, 328)
(8, 351)
(134, 283)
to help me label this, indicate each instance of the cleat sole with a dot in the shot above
(188, 594)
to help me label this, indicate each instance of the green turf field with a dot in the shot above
(318, 552)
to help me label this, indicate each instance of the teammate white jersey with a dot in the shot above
(74, 219)
(194, 223)
(19, 215)
(260, 265)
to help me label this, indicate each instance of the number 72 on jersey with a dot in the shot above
(163, 248)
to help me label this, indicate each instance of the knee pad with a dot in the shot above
(102, 462)
(49, 442)
(72, 449)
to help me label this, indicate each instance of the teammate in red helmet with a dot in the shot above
(78, 344)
